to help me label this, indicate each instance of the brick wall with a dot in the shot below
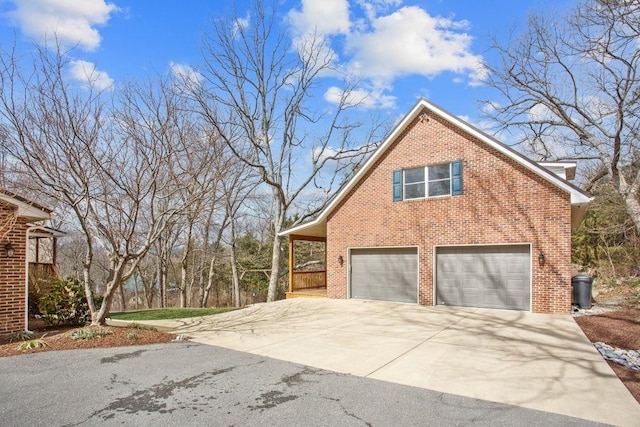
(503, 202)
(12, 271)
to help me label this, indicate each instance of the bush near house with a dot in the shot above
(66, 303)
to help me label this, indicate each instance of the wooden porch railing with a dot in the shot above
(308, 280)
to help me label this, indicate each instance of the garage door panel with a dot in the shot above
(516, 284)
(484, 276)
(517, 267)
(469, 297)
(387, 274)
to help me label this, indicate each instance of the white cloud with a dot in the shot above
(386, 43)
(327, 17)
(412, 42)
(87, 74)
(187, 77)
(315, 22)
(490, 107)
(372, 8)
(366, 99)
(541, 113)
(71, 21)
(241, 24)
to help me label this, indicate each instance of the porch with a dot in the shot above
(307, 267)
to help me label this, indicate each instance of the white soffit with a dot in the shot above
(26, 210)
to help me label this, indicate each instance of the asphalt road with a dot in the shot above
(188, 384)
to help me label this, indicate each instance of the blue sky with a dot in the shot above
(402, 49)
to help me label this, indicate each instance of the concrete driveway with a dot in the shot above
(536, 361)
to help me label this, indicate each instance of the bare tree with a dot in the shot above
(8, 219)
(258, 93)
(115, 168)
(208, 171)
(571, 87)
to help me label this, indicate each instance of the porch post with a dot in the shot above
(291, 255)
(326, 266)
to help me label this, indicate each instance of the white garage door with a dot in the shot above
(484, 276)
(385, 274)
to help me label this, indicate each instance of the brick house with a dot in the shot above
(442, 213)
(22, 250)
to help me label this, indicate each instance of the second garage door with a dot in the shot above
(385, 274)
(484, 276)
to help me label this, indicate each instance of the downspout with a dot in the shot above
(26, 279)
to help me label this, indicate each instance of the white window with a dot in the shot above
(429, 181)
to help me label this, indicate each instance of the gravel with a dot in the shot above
(628, 358)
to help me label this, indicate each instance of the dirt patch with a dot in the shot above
(59, 338)
(620, 292)
(619, 328)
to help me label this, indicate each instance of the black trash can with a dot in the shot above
(581, 290)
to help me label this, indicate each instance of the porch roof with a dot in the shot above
(44, 231)
(315, 228)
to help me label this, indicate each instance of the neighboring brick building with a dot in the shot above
(16, 217)
(445, 214)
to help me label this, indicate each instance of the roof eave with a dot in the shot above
(26, 209)
(316, 228)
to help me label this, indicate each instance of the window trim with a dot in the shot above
(423, 182)
(426, 182)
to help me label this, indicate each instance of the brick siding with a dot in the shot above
(12, 271)
(502, 203)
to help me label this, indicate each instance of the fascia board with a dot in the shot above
(25, 210)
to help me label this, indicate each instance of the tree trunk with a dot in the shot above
(110, 288)
(201, 287)
(135, 292)
(86, 276)
(234, 266)
(278, 220)
(633, 209)
(184, 269)
(210, 277)
(163, 283)
(183, 297)
(275, 268)
(123, 297)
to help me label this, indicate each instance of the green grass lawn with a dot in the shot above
(168, 313)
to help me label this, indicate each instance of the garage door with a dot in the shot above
(386, 274)
(484, 276)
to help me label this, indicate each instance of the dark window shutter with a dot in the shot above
(456, 178)
(397, 185)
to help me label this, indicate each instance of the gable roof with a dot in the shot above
(317, 227)
(26, 208)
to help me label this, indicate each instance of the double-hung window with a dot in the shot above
(429, 181)
(414, 183)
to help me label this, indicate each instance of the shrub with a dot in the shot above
(20, 336)
(65, 304)
(31, 344)
(88, 333)
(132, 336)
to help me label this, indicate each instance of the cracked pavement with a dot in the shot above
(190, 384)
